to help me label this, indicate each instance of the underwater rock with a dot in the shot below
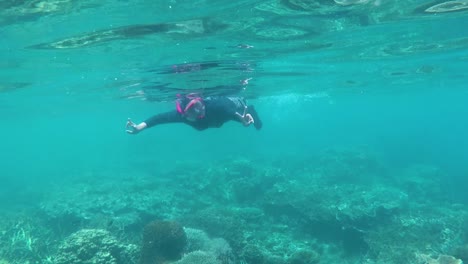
(449, 6)
(95, 246)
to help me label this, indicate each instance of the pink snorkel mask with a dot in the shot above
(195, 101)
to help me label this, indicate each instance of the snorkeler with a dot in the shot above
(202, 113)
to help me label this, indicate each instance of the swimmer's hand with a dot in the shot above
(248, 119)
(245, 118)
(132, 128)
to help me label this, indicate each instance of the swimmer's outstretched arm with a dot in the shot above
(163, 118)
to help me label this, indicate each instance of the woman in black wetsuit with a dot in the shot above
(202, 113)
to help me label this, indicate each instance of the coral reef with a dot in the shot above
(342, 206)
(94, 246)
(461, 252)
(304, 257)
(198, 257)
(121, 206)
(162, 241)
(252, 254)
(201, 246)
(441, 259)
(24, 238)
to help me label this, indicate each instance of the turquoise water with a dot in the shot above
(354, 95)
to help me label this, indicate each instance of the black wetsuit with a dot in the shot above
(218, 110)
